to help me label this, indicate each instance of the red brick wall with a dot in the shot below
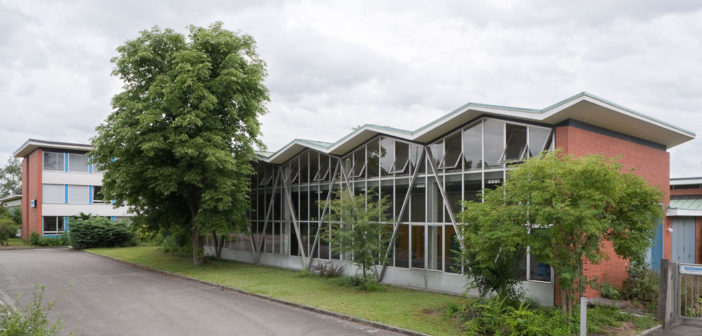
(31, 189)
(650, 163)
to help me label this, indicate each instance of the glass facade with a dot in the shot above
(424, 204)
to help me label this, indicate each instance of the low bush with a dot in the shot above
(31, 319)
(8, 229)
(99, 232)
(642, 285)
(35, 239)
(495, 316)
(357, 281)
(329, 269)
(609, 291)
(177, 244)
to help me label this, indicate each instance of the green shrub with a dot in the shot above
(8, 229)
(370, 283)
(496, 317)
(177, 244)
(30, 320)
(100, 232)
(35, 239)
(329, 269)
(609, 291)
(642, 285)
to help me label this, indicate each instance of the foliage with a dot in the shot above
(35, 239)
(495, 316)
(16, 215)
(99, 232)
(176, 243)
(329, 269)
(608, 290)
(565, 209)
(8, 229)
(642, 284)
(30, 320)
(599, 317)
(359, 231)
(11, 178)
(178, 146)
(357, 281)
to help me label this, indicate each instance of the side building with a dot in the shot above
(426, 172)
(58, 182)
(685, 217)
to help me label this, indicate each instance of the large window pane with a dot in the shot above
(473, 147)
(304, 204)
(324, 242)
(453, 193)
(53, 224)
(452, 251)
(437, 153)
(538, 138)
(304, 167)
(359, 162)
(402, 246)
(417, 246)
(400, 192)
(435, 260)
(293, 171)
(322, 173)
(401, 157)
(268, 245)
(417, 205)
(78, 163)
(374, 158)
(520, 261)
(516, 139)
(453, 151)
(494, 142)
(53, 161)
(54, 193)
(98, 197)
(415, 156)
(387, 156)
(473, 185)
(386, 193)
(313, 234)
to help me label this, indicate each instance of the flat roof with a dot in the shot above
(10, 198)
(583, 107)
(685, 180)
(33, 144)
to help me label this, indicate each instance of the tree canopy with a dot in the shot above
(564, 209)
(177, 146)
(11, 178)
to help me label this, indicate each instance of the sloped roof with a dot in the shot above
(583, 107)
(690, 206)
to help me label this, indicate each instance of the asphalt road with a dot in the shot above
(98, 296)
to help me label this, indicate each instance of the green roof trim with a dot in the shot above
(686, 203)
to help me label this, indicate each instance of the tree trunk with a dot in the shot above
(564, 302)
(218, 244)
(198, 249)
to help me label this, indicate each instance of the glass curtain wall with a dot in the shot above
(467, 161)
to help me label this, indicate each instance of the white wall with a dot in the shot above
(57, 177)
(104, 209)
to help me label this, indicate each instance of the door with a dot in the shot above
(684, 240)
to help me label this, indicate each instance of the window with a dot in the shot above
(374, 158)
(473, 186)
(473, 147)
(452, 157)
(516, 140)
(97, 195)
(452, 251)
(359, 162)
(54, 193)
(294, 171)
(415, 155)
(435, 260)
(323, 171)
(538, 271)
(53, 224)
(402, 246)
(417, 206)
(418, 246)
(78, 194)
(387, 156)
(494, 142)
(53, 161)
(437, 153)
(265, 175)
(401, 157)
(78, 163)
(538, 140)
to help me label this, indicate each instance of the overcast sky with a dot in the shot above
(336, 65)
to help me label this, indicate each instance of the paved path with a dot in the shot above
(686, 328)
(99, 296)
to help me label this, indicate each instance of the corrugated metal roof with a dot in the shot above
(686, 203)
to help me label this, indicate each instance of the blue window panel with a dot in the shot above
(90, 166)
(90, 192)
(113, 218)
(65, 193)
(65, 163)
(657, 247)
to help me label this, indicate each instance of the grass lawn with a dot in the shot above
(15, 242)
(405, 308)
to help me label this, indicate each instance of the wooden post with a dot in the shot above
(667, 294)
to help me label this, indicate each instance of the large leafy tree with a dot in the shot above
(177, 147)
(565, 209)
(11, 178)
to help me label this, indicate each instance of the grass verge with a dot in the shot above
(404, 308)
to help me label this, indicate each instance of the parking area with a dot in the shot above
(98, 296)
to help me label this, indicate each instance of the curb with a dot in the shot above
(272, 299)
(651, 331)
